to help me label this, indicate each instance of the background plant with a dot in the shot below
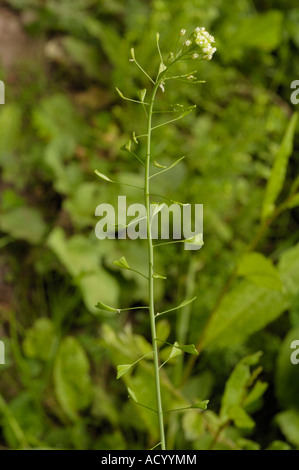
(53, 270)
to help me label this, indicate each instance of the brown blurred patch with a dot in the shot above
(16, 46)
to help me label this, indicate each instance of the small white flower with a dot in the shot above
(182, 32)
(188, 43)
(194, 56)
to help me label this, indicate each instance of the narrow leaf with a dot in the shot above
(104, 177)
(278, 173)
(181, 305)
(259, 270)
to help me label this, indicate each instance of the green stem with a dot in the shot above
(151, 268)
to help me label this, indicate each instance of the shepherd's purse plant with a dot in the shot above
(199, 46)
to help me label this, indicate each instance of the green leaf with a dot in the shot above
(24, 223)
(262, 31)
(248, 308)
(104, 177)
(175, 351)
(39, 340)
(288, 421)
(193, 426)
(279, 445)
(72, 381)
(255, 394)
(102, 306)
(240, 418)
(81, 257)
(122, 369)
(132, 395)
(259, 270)
(158, 276)
(202, 405)
(122, 263)
(234, 390)
(278, 173)
(293, 201)
(128, 99)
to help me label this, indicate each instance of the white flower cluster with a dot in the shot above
(200, 43)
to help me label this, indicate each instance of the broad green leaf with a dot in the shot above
(81, 256)
(240, 418)
(279, 445)
(278, 173)
(122, 369)
(192, 424)
(261, 31)
(72, 381)
(39, 340)
(163, 330)
(102, 306)
(24, 223)
(248, 308)
(247, 444)
(259, 270)
(288, 421)
(159, 276)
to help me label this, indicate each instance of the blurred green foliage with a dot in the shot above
(62, 120)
